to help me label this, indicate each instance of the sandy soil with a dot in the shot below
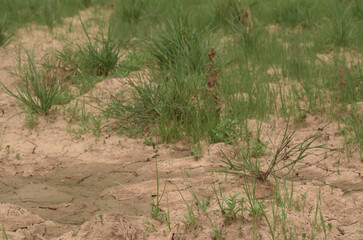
(54, 185)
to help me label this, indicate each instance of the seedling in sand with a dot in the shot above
(217, 233)
(97, 122)
(156, 211)
(5, 237)
(196, 151)
(234, 206)
(190, 217)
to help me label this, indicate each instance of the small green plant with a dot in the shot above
(257, 147)
(233, 206)
(156, 211)
(31, 120)
(5, 36)
(74, 231)
(17, 156)
(303, 198)
(330, 226)
(5, 237)
(202, 204)
(316, 227)
(149, 226)
(253, 205)
(190, 217)
(149, 142)
(100, 216)
(97, 123)
(217, 233)
(225, 131)
(196, 150)
(7, 149)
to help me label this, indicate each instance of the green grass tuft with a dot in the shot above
(37, 92)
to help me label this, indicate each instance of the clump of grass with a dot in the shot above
(37, 92)
(131, 11)
(340, 29)
(230, 11)
(100, 55)
(51, 13)
(5, 36)
(182, 46)
(167, 104)
(132, 18)
(96, 57)
(247, 35)
(244, 164)
(294, 12)
(181, 101)
(174, 104)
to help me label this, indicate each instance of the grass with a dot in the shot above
(131, 11)
(100, 55)
(230, 11)
(342, 28)
(182, 46)
(246, 162)
(4, 236)
(293, 13)
(37, 92)
(43, 12)
(50, 12)
(5, 35)
(90, 61)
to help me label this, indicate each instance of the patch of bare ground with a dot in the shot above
(55, 186)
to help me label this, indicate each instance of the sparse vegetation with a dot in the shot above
(249, 91)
